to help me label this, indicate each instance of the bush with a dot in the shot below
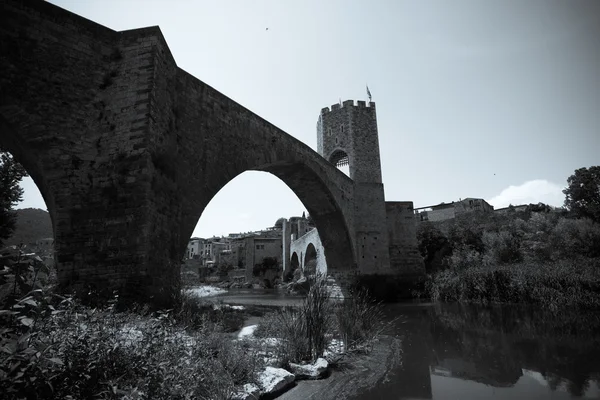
(56, 348)
(359, 320)
(576, 237)
(302, 331)
(502, 247)
(574, 283)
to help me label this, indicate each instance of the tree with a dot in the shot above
(11, 173)
(583, 193)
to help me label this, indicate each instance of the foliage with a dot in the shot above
(583, 193)
(551, 285)
(303, 330)
(11, 173)
(55, 348)
(268, 264)
(20, 274)
(359, 320)
(431, 240)
(534, 257)
(316, 309)
(306, 330)
(32, 224)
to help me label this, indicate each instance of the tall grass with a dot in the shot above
(302, 331)
(305, 331)
(551, 285)
(359, 319)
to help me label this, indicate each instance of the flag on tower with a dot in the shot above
(369, 93)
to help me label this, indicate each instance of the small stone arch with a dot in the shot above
(294, 266)
(310, 260)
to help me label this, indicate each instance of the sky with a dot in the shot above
(497, 100)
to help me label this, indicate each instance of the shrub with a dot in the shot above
(316, 309)
(359, 320)
(576, 237)
(60, 349)
(303, 331)
(464, 257)
(573, 283)
(502, 247)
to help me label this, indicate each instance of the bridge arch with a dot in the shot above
(315, 182)
(12, 142)
(310, 260)
(127, 150)
(294, 266)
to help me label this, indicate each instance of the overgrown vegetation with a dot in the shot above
(11, 173)
(533, 257)
(305, 332)
(583, 193)
(53, 347)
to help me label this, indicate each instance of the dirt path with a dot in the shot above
(352, 377)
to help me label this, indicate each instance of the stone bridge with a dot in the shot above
(127, 150)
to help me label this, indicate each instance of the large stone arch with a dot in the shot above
(128, 149)
(32, 162)
(250, 143)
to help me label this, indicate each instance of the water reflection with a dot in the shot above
(458, 352)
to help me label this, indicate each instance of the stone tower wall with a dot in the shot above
(352, 129)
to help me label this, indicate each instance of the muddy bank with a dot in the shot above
(353, 375)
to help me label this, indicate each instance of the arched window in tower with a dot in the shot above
(342, 128)
(340, 159)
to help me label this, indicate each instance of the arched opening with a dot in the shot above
(340, 159)
(294, 268)
(241, 198)
(310, 261)
(27, 234)
(243, 233)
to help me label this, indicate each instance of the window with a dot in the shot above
(342, 128)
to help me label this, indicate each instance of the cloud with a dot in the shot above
(538, 190)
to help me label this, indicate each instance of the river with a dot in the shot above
(458, 352)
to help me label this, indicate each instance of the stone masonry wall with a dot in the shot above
(128, 149)
(217, 139)
(405, 258)
(300, 245)
(74, 106)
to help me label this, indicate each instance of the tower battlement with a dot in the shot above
(348, 103)
(347, 135)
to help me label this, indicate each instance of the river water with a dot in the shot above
(459, 352)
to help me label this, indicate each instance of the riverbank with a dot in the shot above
(550, 285)
(55, 346)
(352, 375)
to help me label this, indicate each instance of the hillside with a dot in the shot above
(32, 224)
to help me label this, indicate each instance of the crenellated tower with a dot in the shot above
(347, 135)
